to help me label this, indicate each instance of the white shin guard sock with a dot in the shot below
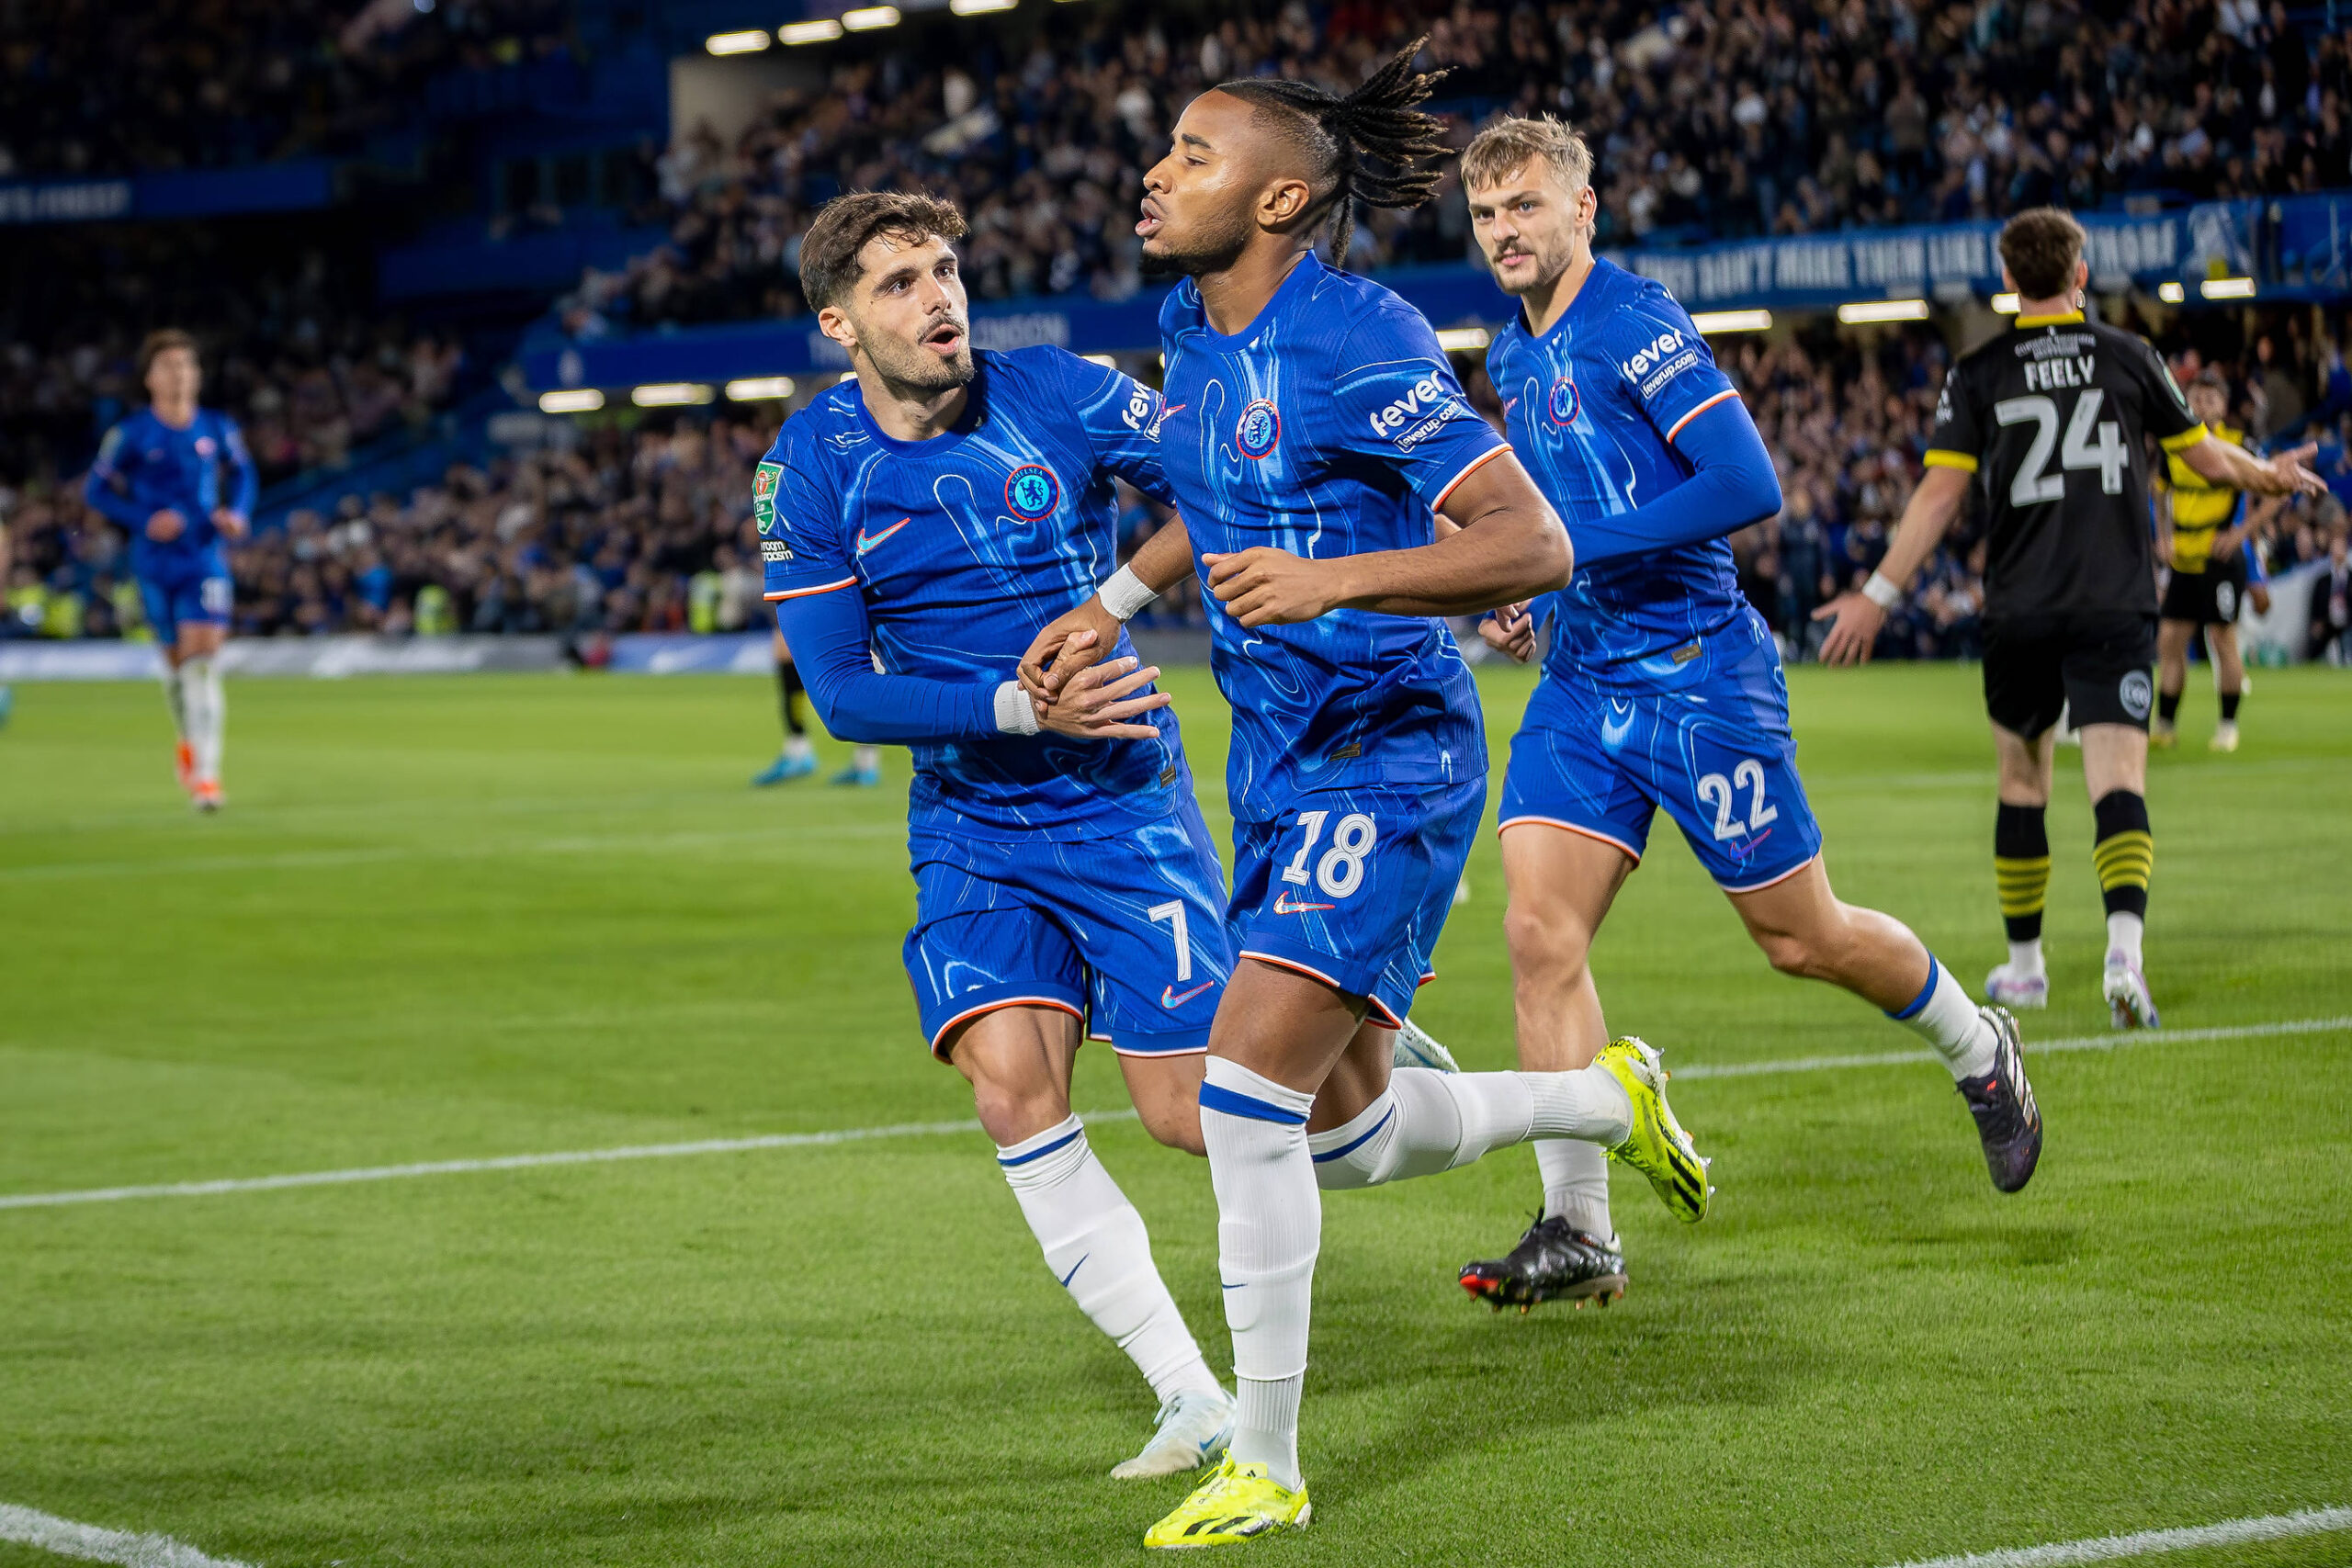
(1270, 1225)
(175, 698)
(1576, 1184)
(1426, 1121)
(1944, 1017)
(1095, 1244)
(204, 704)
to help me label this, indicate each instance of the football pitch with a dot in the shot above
(449, 921)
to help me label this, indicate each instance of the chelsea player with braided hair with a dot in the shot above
(1661, 689)
(1316, 439)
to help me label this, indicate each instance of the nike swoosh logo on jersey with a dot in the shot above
(1508, 404)
(1286, 905)
(866, 543)
(1170, 998)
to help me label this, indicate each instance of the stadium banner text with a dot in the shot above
(298, 185)
(2300, 245)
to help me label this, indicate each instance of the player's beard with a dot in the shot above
(912, 369)
(1212, 247)
(1553, 259)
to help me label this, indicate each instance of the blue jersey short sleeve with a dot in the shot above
(1669, 372)
(800, 546)
(1121, 417)
(1400, 405)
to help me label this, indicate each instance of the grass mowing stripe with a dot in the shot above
(95, 1543)
(2146, 1543)
(934, 1129)
(2114, 1042)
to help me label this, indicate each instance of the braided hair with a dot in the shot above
(1337, 134)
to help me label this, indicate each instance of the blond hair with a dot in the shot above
(1512, 143)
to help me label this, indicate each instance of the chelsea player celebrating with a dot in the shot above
(918, 524)
(158, 475)
(1313, 428)
(1662, 688)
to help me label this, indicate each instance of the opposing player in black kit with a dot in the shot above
(2048, 424)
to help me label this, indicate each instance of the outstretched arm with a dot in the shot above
(1508, 547)
(1860, 612)
(2226, 463)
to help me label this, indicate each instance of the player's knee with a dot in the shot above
(1545, 941)
(1800, 954)
(1011, 1109)
(1175, 1123)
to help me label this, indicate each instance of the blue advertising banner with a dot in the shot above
(298, 185)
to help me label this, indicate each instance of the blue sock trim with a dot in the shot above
(1063, 1142)
(1214, 1098)
(1350, 1149)
(1935, 973)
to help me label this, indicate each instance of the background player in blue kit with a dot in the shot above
(159, 475)
(917, 526)
(1312, 431)
(1662, 689)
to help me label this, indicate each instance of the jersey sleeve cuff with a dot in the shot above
(2185, 440)
(1470, 468)
(1727, 393)
(1938, 458)
(778, 595)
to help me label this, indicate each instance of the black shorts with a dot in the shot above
(2095, 667)
(2208, 598)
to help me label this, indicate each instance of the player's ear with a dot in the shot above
(2081, 274)
(834, 322)
(1281, 203)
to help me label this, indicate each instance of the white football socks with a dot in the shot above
(205, 705)
(1270, 1225)
(1095, 1244)
(1576, 1184)
(867, 758)
(1944, 1017)
(2025, 957)
(2124, 934)
(1426, 1121)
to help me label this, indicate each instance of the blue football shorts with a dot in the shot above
(201, 596)
(1714, 749)
(1124, 932)
(1352, 886)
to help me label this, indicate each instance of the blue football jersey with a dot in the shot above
(964, 548)
(145, 466)
(1332, 426)
(1592, 407)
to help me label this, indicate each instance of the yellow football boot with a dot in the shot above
(1238, 1503)
(1658, 1147)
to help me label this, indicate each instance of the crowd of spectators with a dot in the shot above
(1719, 119)
(100, 89)
(646, 526)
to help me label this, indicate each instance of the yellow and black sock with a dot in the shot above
(2230, 706)
(2021, 868)
(2125, 853)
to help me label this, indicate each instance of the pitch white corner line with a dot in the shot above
(937, 1129)
(2144, 1543)
(95, 1543)
(2115, 1041)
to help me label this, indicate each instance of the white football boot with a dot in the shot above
(2011, 988)
(2126, 990)
(1415, 1049)
(1195, 1428)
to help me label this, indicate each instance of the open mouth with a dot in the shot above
(945, 339)
(1148, 224)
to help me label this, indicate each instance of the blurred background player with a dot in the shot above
(943, 503)
(1313, 429)
(1661, 688)
(2048, 424)
(2200, 535)
(158, 474)
(799, 758)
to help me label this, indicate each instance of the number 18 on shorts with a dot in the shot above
(1352, 886)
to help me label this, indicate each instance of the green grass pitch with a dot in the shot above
(487, 916)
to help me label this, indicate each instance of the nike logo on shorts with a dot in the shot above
(1286, 905)
(1171, 998)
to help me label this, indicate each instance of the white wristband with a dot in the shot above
(1880, 591)
(1015, 714)
(1124, 594)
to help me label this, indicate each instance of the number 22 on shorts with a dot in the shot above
(1339, 872)
(1718, 792)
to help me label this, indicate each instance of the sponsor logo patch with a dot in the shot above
(2136, 692)
(763, 481)
(775, 550)
(1425, 401)
(1031, 492)
(1260, 429)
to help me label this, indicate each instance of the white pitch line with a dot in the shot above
(2114, 1042)
(2144, 1543)
(934, 1129)
(95, 1543)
